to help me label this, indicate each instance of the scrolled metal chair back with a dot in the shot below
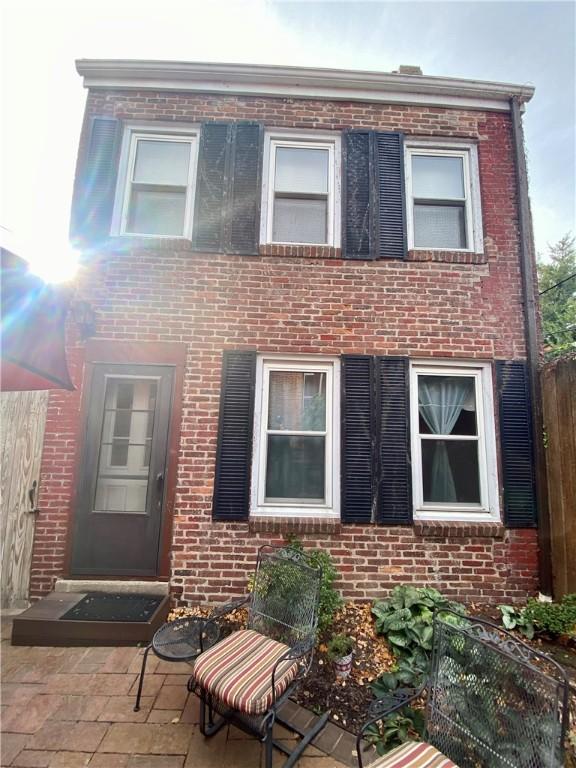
(285, 596)
(494, 701)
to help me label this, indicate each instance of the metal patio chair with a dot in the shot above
(245, 678)
(492, 702)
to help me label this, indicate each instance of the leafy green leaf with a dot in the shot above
(396, 638)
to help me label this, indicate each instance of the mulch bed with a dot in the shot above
(347, 700)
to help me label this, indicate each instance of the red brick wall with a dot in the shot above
(430, 305)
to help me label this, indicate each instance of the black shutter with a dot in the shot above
(517, 455)
(234, 452)
(227, 216)
(358, 438)
(211, 198)
(245, 190)
(374, 206)
(395, 478)
(95, 184)
(358, 196)
(391, 196)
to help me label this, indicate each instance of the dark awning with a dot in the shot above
(33, 330)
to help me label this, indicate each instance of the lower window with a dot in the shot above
(453, 444)
(295, 460)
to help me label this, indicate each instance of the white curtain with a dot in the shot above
(440, 402)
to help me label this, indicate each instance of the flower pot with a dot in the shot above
(343, 666)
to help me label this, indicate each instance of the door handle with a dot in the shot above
(160, 480)
(32, 498)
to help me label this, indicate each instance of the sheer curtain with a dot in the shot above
(440, 402)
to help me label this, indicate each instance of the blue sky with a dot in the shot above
(43, 98)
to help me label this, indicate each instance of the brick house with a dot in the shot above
(309, 291)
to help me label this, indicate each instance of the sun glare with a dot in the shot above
(54, 264)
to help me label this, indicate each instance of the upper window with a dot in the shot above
(453, 442)
(156, 184)
(299, 191)
(443, 198)
(295, 466)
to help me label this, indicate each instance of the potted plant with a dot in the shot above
(340, 653)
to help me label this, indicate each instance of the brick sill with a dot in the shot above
(458, 530)
(294, 525)
(301, 251)
(448, 257)
(121, 243)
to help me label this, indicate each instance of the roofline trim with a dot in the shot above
(300, 82)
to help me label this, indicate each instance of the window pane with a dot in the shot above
(121, 495)
(447, 405)
(297, 401)
(156, 212)
(439, 178)
(301, 170)
(295, 467)
(119, 394)
(128, 426)
(119, 453)
(450, 471)
(439, 226)
(162, 162)
(299, 221)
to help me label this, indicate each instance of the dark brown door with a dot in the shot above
(119, 512)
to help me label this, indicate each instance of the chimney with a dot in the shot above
(409, 69)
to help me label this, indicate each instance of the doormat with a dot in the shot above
(105, 606)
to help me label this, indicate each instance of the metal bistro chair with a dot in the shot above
(492, 702)
(245, 678)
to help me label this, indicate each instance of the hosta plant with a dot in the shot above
(406, 618)
(405, 725)
(518, 619)
(407, 673)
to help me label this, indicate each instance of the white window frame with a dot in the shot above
(468, 151)
(489, 508)
(307, 140)
(305, 364)
(158, 132)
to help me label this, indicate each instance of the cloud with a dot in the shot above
(549, 227)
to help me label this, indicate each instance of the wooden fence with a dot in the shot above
(558, 380)
(22, 415)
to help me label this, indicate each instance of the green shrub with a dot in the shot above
(554, 618)
(537, 616)
(330, 599)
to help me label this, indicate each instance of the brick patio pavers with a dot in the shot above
(73, 707)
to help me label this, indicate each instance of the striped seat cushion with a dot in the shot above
(414, 754)
(238, 671)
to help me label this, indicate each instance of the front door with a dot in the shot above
(119, 508)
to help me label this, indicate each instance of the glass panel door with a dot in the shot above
(124, 461)
(118, 519)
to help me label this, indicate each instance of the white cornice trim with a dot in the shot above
(300, 82)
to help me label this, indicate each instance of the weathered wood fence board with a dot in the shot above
(23, 416)
(559, 408)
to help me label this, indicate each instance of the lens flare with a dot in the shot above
(54, 264)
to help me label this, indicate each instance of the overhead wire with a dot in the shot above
(560, 282)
